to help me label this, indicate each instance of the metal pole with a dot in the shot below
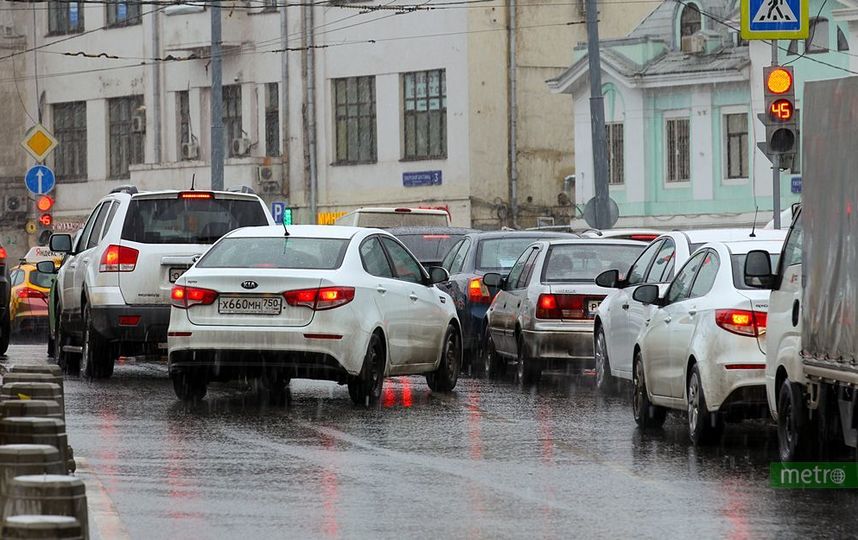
(512, 85)
(284, 99)
(776, 162)
(311, 109)
(597, 117)
(217, 150)
(156, 85)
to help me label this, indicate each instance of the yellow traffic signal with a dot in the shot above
(779, 80)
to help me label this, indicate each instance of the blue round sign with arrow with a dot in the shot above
(40, 180)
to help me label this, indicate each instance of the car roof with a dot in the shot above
(302, 231)
(597, 242)
(488, 235)
(700, 236)
(398, 210)
(743, 247)
(396, 231)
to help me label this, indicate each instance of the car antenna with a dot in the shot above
(193, 180)
(754, 228)
(285, 230)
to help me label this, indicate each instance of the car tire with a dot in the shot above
(704, 427)
(528, 370)
(647, 416)
(444, 378)
(5, 331)
(365, 389)
(605, 381)
(795, 440)
(96, 360)
(493, 365)
(189, 386)
(63, 359)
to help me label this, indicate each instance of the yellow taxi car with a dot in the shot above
(28, 304)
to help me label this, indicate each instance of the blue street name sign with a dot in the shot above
(423, 178)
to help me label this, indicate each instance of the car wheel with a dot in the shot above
(96, 362)
(189, 386)
(704, 427)
(63, 359)
(365, 389)
(493, 365)
(794, 431)
(604, 379)
(444, 378)
(5, 331)
(647, 415)
(528, 370)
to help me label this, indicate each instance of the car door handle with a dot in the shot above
(380, 289)
(795, 310)
(692, 312)
(72, 266)
(413, 297)
(667, 319)
(85, 261)
(625, 306)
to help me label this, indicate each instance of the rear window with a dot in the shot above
(582, 262)
(188, 221)
(288, 252)
(739, 269)
(41, 280)
(429, 247)
(499, 254)
(386, 220)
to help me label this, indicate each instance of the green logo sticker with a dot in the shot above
(810, 475)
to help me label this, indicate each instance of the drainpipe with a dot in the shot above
(310, 81)
(156, 84)
(284, 99)
(513, 112)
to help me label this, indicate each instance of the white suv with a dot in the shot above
(114, 285)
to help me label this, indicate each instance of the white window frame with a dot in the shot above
(678, 114)
(737, 109)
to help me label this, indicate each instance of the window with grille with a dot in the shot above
(126, 144)
(678, 150)
(123, 13)
(354, 98)
(231, 115)
(425, 114)
(183, 109)
(736, 144)
(70, 131)
(272, 119)
(614, 133)
(64, 17)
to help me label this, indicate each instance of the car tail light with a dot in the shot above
(196, 195)
(320, 299)
(643, 237)
(184, 297)
(436, 236)
(118, 259)
(742, 322)
(129, 320)
(564, 306)
(478, 292)
(27, 292)
(3, 253)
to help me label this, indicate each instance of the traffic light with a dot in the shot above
(44, 204)
(781, 116)
(287, 216)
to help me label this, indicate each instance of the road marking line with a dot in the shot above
(103, 515)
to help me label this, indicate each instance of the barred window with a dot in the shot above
(355, 120)
(272, 120)
(126, 143)
(70, 131)
(616, 164)
(183, 114)
(736, 144)
(678, 150)
(231, 115)
(64, 17)
(123, 13)
(425, 114)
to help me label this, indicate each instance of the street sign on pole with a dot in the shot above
(774, 19)
(39, 143)
(39, 180)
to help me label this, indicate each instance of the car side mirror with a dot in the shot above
(493, 280)
(61, 243)
(46, 267)
(608, 279)
(758, 270)
(438, 274)
(647, 294)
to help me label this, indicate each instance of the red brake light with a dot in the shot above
(436, 236)
(565, 306)
(643, 237)
(118, 259)
(184, 297)
(196, 195)
(742, 322)
(320, 299)
(2, 253)
(478, 292)
(27, 292)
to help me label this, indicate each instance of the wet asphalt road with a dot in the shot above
(490, 460)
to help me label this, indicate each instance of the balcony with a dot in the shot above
(187, 27)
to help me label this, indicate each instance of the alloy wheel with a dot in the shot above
(693, 402)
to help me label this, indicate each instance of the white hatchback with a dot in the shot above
(346, 304)
(703, 348)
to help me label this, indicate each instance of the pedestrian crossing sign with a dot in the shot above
(774, 19)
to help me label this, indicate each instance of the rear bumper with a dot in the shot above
(150, 328)
(561, 346)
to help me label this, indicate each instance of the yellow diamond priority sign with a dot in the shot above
(39, 142)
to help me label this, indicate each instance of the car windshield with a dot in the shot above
(40, 279)
(583, 262)
(429, 247)
(290, 252)
(188, 221)
(739, 269)
(499, 254)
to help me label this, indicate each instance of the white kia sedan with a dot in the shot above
(702, 350)
(346, 304)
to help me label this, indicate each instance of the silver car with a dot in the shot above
(543, 316)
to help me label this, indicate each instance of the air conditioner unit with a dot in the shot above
(268, 179)
(190, 150)
(14, 204)
(138, 123)
(693, 44)
(240, 146)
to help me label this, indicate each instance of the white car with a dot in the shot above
(620, 318)
(346, 304)
(703, 347)
(114, 284)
